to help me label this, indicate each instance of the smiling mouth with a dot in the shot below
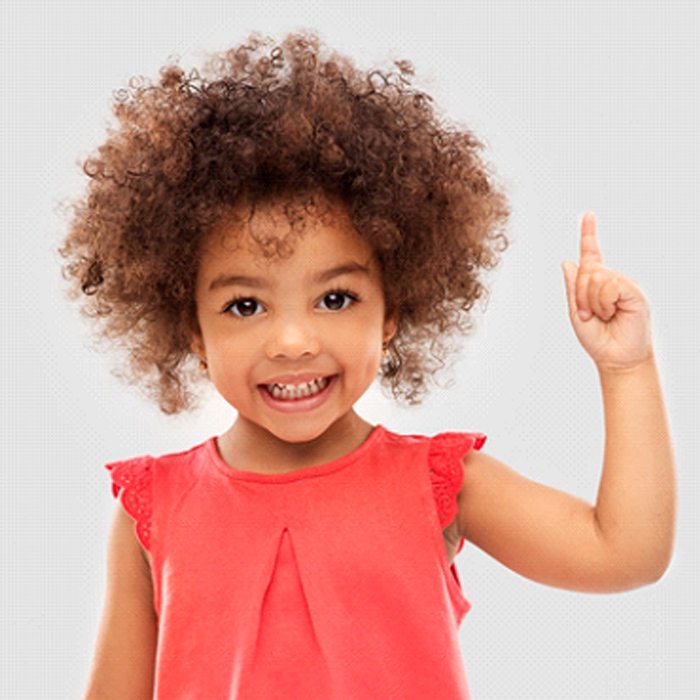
(321, 383)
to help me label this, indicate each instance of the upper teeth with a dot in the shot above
(307, 387)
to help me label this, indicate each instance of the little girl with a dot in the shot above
(300, 228)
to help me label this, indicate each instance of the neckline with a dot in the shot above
(302, 473)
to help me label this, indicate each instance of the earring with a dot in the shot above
(202, 365)
(385, 349)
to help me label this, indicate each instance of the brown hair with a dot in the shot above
(295, 119)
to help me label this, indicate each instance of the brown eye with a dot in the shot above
(245, 306)
(242, 303)
(337, 297)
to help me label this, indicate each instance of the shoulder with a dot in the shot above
(126, 543)
(489, 487)
(132, 483)
(444, 456)
(480, 475)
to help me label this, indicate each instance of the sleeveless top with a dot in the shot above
(331, 581)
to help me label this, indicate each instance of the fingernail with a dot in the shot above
(583, 314)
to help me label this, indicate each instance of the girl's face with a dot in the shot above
(292, 320)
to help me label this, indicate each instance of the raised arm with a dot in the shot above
(626, 539)
(555, 538)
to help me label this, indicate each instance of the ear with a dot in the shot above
(197, 346)
(390, 327)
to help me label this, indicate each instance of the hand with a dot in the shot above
(616, 328)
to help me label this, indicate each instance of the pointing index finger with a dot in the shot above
(590, 248)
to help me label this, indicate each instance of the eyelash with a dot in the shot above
(346, 292)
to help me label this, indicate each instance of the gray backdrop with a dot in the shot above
(583, 106)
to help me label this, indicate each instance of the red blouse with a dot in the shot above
(328, 582)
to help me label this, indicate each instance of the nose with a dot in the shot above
(292, 338)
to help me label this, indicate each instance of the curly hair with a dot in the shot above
(297, 119)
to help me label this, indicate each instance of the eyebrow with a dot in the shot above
(226, 280)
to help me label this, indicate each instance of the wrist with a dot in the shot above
(640, 365)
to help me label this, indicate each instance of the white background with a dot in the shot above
(582, 105)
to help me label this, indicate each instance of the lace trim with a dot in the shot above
(446, 470)
(135, 478)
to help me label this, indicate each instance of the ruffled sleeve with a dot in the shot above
(446, 470)
(133, 478)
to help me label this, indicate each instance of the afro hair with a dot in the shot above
(263, 120)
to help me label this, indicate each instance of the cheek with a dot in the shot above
(231, 363)
(362, 355)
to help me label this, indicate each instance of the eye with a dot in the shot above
(339, 293)
(234, 303)
(250, 303)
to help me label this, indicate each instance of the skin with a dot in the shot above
(626, 539)
(291, 325)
